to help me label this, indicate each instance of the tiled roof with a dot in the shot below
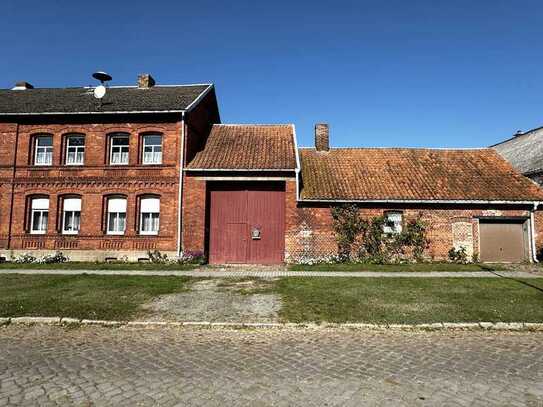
(248, 146)
(524, 151)
(81, 100)
(412, 174)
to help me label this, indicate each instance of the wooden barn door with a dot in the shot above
(247, 223)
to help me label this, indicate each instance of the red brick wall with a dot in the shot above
(198, 124)
(92, 181)
(310, 234)
(194, 214)
(8, 132)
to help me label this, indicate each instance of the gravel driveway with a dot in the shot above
(217, 300)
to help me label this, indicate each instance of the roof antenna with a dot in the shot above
(100, 91)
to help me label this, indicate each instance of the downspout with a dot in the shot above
(298, 167)
(14, 173)
(180, 195)
(532, 230)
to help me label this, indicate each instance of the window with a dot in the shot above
(116, 216)
(149, 216)
(44, 150)
(71, 216)
(152, 149)
(39, 216)
(75, 150)
(119, 150)
(393, 222)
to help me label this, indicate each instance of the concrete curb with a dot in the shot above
(493, 326)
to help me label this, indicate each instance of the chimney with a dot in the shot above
(22, 85)
(145, 81)
(322, 142)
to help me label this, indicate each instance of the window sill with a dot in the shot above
(148, 233)
(115, 233)
(38, 232)
(69, 233)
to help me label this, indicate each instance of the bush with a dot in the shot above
(347, 225)
(458, 255)
(27, 258)
(192, 257)
(58, 257)
(379, 247)
(189, 257)
(156, 257)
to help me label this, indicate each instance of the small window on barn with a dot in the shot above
(393, 222)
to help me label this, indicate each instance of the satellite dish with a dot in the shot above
(101, 76)
(99, 91)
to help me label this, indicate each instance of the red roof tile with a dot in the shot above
(248, 146)
(412, 174)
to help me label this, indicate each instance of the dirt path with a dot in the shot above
(219, 300)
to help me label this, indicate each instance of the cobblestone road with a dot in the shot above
(105, 366)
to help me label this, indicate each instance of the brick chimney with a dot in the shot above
(22, 85)
(145, 81)
(322, 142)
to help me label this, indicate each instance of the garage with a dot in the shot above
(504, 240)
(246, 222)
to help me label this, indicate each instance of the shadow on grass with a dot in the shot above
(523, 282)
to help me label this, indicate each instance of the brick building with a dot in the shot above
(151, 167)
(93, 178)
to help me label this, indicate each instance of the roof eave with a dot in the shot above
(241, 169)
(93, 113)
(426, 201)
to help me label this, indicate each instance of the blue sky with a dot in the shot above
(382, 73)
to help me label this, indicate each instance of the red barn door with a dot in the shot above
(247, 223)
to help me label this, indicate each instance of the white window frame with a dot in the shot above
(149, 205)
(154, 153)
(111, 146)
(73, 206)
(398, 224)
(78, 150)
(117, 214)
(39, 206)
(47, 150)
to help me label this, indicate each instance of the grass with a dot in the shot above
(74, 265)
(82, 296)
(411, 300)
(375, 300)
(395, 267)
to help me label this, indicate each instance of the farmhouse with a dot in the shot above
(151, 167)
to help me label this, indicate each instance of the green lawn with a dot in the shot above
(98, 266)
(81, 296)
(375, 300)
(395, 267)
(410, 300)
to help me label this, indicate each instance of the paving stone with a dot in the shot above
(190, 366)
